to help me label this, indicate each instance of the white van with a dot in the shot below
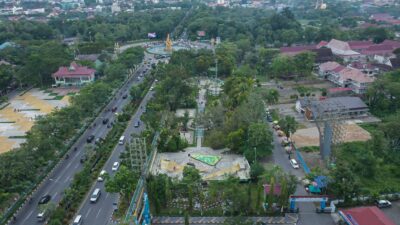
(95, 196)
(121, 140)
(78, 220)
(294, 163)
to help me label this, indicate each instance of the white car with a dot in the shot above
(294, 163)
(115, 166)
(101, 176)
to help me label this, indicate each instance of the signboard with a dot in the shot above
(201, 33)
(151, 35)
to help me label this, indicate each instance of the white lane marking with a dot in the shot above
(90, 209)
(67, 179)
(55, 194)
(98, 213)
(69, 164)
(28, 216)
(107, 195)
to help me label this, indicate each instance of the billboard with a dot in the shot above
(201, 33)
(151, 35)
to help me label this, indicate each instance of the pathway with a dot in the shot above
(289, 219)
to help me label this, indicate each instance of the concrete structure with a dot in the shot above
(74, 75)
(353, 107)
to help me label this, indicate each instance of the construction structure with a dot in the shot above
(329, 117)
(138, 153)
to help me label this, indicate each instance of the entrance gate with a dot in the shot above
(299, 198)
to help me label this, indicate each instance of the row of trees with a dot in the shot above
(47, 140)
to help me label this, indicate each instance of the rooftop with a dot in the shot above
(355, 75)
(74, 70)
(369, 215)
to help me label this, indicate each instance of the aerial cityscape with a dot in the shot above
(177, 112)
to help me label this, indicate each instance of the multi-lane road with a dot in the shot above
(100, 213)
(61, 177)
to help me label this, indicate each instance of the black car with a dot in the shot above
(90, 139)
(125, 96)
(44, 199)
(105, 121)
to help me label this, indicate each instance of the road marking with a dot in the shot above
(98, 213)
(28, 216)
(90, 209)
(67, 179)
(69, 164)
(55, 194)
(107, 195)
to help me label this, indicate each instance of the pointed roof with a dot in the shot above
(341, 48)
(74, 70)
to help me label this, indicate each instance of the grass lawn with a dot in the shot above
(370, 127)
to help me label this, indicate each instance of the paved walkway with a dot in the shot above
(288, 219)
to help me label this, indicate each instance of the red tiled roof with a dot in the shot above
(322, 44)
(329, 66)
(369, 215)
(74, 70)
(339, 68)
(356, 45)
(355, 75)
(378, 49)
(394, 44)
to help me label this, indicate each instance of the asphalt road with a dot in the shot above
(62, 176)
(100, 213)
(307, 214)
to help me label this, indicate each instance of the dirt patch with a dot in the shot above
(310, 136)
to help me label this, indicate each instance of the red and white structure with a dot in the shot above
(74, 75)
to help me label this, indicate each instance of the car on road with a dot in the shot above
(95, 195)
(383, 204)
(105, 121)
(90, 139)
(101, 176)
(114, 109)
(137, 124)
(125, 96)
(115, 166)
(78, 220)
(151, 88)
(294, 164)
(99, 140)
(44, 199)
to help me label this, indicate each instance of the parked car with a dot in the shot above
(124, 96)
(44, 199)
(115, 166)
(137, 124)
(294, 164)
(105, 120)
(383, 203)
(114, 109)
(90, 139)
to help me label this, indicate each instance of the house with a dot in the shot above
(326, 69)
(343, 50)
(350, 107)
(359, 45)
(74, 75)
(369, 215)
(339, 91)
(352, 78)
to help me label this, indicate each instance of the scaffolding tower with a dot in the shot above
(138, 154)
(329, 117)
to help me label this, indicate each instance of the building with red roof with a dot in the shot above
(74, 75)
(369, 215)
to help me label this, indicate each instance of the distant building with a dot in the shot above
(74, 75)
(369, 215)
(352, 107)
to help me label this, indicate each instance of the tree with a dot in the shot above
(288, 125)
(260, 138)
(304, 63)
(191, 175)
(186, 218)
(6, 76)
(345, 184)
(282, 67)
(123, 182)
(272, 96)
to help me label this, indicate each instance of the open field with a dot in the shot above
(19, 116)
